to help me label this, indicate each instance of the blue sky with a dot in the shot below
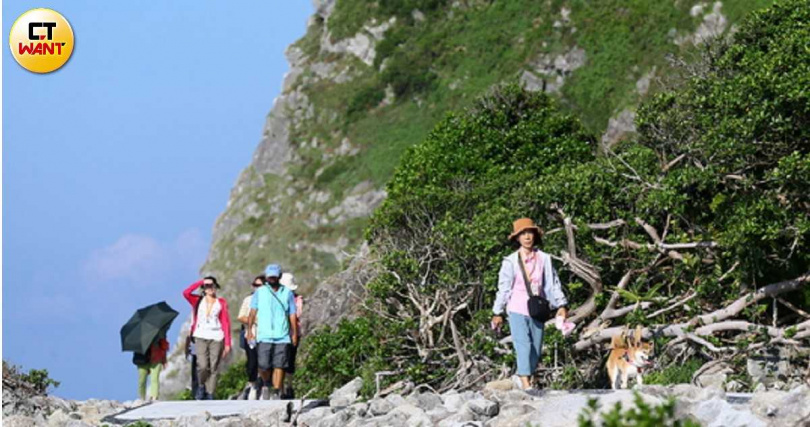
(116, 166)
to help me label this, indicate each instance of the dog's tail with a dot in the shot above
(618, 341)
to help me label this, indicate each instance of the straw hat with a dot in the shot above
(522, 225)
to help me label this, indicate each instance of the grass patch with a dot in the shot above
(675, 374)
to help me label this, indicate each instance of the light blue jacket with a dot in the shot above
(506, 279)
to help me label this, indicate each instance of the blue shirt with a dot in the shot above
(273, 310)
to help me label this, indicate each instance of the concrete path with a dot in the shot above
(217, 409)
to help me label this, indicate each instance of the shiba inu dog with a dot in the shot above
(628, 358)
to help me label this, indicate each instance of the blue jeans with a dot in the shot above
(527, 337)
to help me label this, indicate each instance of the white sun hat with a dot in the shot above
(288, 281)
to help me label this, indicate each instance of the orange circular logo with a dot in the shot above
(41, 40)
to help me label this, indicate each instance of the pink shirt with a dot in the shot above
(519, 300)
(299, 307)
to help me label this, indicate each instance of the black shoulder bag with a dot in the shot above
(539, 308)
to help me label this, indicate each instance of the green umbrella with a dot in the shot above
(145, 325)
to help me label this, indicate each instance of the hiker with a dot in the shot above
(251, 353)
(211, 329)
(273, 310)
(288, 281)
(527, 264)
(191, 356)
(150, 365)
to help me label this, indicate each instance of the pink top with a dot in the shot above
(299, 307)
(519, 300)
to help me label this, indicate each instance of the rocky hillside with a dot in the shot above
(370, 79)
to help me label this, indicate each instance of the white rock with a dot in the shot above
(18, 421)
(719, 413)
(312, 416)
(783, 407)
(380, 407)
(347, 394)
(483, 407)
(618, 127)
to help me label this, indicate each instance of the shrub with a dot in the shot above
(232, 381)
(363, 100)
(675, 374)
(331, 357)
(36, 378)
(642, 415)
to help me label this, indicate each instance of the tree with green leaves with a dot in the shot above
(698, 230)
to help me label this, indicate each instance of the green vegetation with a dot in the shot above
(183, 395)
(37, 378)
(723, 156)
(642, 415)
(675, 374)
(434, 65)
(232, 381)
(353, 348)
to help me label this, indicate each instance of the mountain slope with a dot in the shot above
(370, 79)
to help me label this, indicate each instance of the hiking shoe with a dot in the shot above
(253, 393)
(265, 393)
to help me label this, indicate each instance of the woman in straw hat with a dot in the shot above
(513, 297)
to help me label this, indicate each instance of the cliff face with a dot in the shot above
(368, 80)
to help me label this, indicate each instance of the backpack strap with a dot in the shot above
(286, 310)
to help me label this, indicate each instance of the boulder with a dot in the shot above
(500, 385)
(454, 400)
(414, 415)
(769, 367)
(93, 410)
(19, 421)
(380, 407)
(438, 414)
(396, 400)
(347, 394)
(235, 422)
(713, 375)
(483, 407)
(509, 412)
(784, 408)
(202, 420)
(312, 416)
(426, 401)
(58, 418)
(719, 413)
(462, 417)
(338, 419)
(360, 409)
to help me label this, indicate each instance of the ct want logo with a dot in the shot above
(41, 40)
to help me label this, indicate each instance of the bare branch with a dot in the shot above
(650, 230)
(789, 305)
(766, 291)
(674, 162)
(607, 225)
(673, 306)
